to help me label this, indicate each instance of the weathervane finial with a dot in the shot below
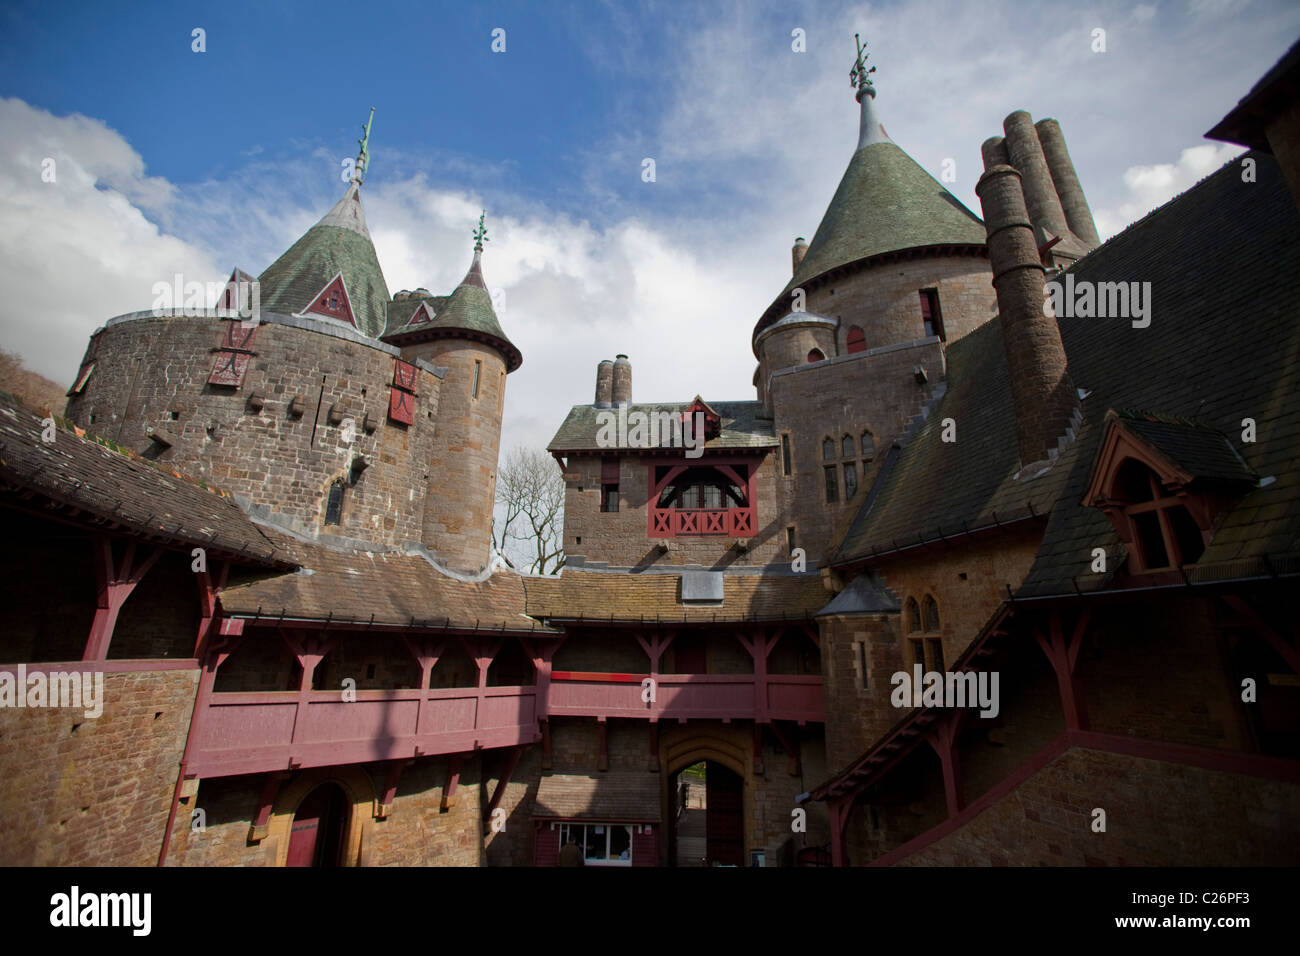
(480, 234)
(860, 76)
(363, 157)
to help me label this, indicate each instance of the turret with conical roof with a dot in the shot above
(461, 334)
(887, 208)
(332, 271)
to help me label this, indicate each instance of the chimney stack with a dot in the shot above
(1044, 397)
(604, 383)
(797, 253)
(622, 391)
(1077, 213)
(1026, 154)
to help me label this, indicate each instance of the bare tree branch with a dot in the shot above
(528, 528)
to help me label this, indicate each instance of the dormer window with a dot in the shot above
(1164, 484)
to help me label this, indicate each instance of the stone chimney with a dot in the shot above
(604, 383)
(1044, 397)
(1026, 154)
(1077, 214)
(622, 390)
(797, 253)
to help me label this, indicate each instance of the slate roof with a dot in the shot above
(930, 489)
(467, 309)
(864, 595)
(622, 596)
(399, 313)
(136, 495)
(744, 425)
(397, 588)
(1272, 95)
(338, 243)
(626, 796)
(1200, 451)
(1223, 345)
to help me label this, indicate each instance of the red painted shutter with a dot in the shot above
(546, 846)
(233, 354)
(645, 846)
(401, 402)
(609, 471)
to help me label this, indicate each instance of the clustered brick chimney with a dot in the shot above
(1053, 197)
(604, 383)
(622, 392)
(1044, 397)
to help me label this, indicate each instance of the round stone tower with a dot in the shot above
(463, 336)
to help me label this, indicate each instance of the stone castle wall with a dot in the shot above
(153, 373)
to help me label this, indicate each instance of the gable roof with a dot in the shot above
(339, 243)
(744, 425)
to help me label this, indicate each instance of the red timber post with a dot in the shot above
(840, 808)
(654, 648)
(503, 781)
(541, 654)
(453, 780)
(943, 738)
(214, 652)
(483, 651)
(114, 582)
(427, 651)
(209, 610)
(310, 651)
(391, 780)
(1063, 656)
(759, 647)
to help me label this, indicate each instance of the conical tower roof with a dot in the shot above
(466, 313)
(338, 244)
(886, 202)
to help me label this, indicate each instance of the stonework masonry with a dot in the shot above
(153, 373)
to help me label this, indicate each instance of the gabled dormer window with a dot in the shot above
(1165, 484)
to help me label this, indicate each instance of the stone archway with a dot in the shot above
(731, 748)
(358, 799)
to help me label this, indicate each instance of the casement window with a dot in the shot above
(334, 506)
(1164, 534)
(926, 651)
(931, 318)
(868, 448)
(832, 485)
(850, 479)
(609, 484)
(856, 341)
(843, 451)
(603, 844)
(930, 614)
(912, 615)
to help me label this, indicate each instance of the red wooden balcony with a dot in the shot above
(682, 522)
(688, 696)
(254, 732)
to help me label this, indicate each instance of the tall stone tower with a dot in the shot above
(463, 336)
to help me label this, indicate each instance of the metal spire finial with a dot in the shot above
(860, 76)
(480, 234)
(363, 157)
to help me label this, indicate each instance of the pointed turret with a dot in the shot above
(466, 313)
(332, 271)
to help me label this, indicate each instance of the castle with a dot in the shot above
(979, 575)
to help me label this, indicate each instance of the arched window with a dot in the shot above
(912, 615)
(334, 507)
(930, 611)
(857, 341)
(868, 446)
(828, 450)
(816, 355)
(846, 446)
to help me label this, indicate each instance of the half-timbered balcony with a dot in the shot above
(703, 500)
(796, 697)
(255, 732)
(724, 522)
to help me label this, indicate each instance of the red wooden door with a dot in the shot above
(724, 801)
(316, 834)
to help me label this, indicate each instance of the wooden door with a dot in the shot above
(316, 834)
(725, 826)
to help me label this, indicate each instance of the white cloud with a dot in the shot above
(1152, 186)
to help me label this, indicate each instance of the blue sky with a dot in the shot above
(176, 161)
